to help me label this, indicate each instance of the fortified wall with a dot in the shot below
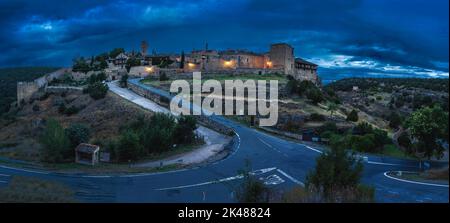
(204, 120)
(26, 89)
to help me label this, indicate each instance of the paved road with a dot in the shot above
(280, 163)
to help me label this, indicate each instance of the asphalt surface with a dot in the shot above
(279, 163)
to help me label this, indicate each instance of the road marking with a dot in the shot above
(272, 180)
(93, 176)
(291, 178)
(4, 175)
(256, 172)
(4, 182)
(414, 182)
(24, 170)
(379, 163)
(270, 146)
(309, 147)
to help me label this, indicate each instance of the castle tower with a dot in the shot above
(282, 56)
(144, 48)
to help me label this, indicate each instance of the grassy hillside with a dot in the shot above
(9, 78)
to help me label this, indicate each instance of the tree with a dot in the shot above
(124, 81)
(428, 125)
(115, 52)
(353, 116)
(332, 107)
(394, 120)
(315, 95)
(251, 189)
(129, 147)
(77, 133)
(336, 176)
(182, 60)
(184, 131)
(56, 144)
(97, 90)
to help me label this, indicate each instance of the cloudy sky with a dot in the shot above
(346, 37)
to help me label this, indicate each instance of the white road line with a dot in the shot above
(414, 182)
(93, 176)
(256, 172)
(387, 164)
(4, 182)
(4, 175)
(24, 170)
(270, 146)
(309, 147)
(291, 178)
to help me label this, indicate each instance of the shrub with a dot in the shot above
(404, 140)
(163, 77)
(315, 95)
(71, 110)
(129, 147)
(353, 116)
(329, 126)
(97, 90)
(36, 108)
(56, 144)
(317, 117)
(394, 120)
(77, 133)
(184, 131)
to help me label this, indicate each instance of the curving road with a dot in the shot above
(279, 163)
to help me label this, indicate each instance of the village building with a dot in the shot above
(87, 154)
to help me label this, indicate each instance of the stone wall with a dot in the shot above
(26, 89)
(203, 120)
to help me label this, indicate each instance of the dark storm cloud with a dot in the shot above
(344, 36)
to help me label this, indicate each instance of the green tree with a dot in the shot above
(97, 90)
(394, 120)
(129, 147)
(332, 107)
(251, 190)
(77, 133)
(115, 52)
(353, 116)
(124, 81)
(337, 172)
(184, 130)
(182, 60)
(56, 144)
(428, 125)
(315, 95)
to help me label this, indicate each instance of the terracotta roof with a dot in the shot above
(302, 61)
(87, 148)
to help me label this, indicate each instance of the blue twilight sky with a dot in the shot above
(346, 37)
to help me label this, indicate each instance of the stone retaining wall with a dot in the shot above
(202, 119)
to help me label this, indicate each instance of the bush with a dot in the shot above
(404, 140)
(129, 147)
(36, 108)
(315, 95)
(335, 171)
(353, 116)
(56, 144)
(184, 131)
(163, 77)
(97, 90)
(71, 110)
(317, 117)
(77, 133)
(328, 127)
(394, 120)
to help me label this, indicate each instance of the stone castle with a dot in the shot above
(279, 60)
